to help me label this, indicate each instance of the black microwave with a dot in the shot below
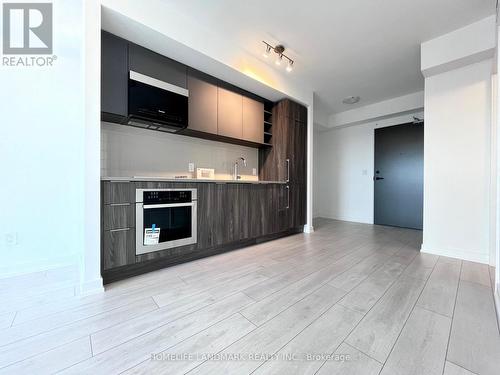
(155, 104)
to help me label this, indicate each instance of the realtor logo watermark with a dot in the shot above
(27, 30)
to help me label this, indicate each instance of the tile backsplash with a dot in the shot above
(128, 152)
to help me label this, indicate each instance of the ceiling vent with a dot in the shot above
(351, 100)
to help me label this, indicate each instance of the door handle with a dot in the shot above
(119, 230)
(287, 170)
(378, 178)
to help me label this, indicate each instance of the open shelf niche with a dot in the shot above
(268, 123)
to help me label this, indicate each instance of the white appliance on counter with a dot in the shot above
(165, 218)
(205, 174)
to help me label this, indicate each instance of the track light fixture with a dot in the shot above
(279, 49)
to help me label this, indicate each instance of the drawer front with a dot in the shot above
(118, 192)
(119, 248)
(119, 216)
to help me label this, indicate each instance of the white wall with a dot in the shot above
(457, 162)
(49, 157)
(42, 156)
(344, 170)
(316, 172)
(127, 152)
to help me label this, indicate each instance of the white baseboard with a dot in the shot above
(27, 269)
(459, 254)
(59, 281)
(351, 219)
(91, 287)
(308, 229)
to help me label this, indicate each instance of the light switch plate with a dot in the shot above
(191, 167)
(254, 171)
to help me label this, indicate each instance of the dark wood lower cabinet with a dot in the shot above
(117, 192)
(207, 194)
(297, 206)
(117, 216)
(282, 209)
(229, 218)
(230, 215)
(118, 248)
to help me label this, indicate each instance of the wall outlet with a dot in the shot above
(254, 171)
(191, 167)
(11, 239)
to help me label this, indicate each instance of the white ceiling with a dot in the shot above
(369, 48)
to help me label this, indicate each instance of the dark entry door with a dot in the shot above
(399, 175)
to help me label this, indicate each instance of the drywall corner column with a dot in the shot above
(90, 267)
(497, 171)
(493, 172)
(309, 228)
(457, 163)
(458, 142)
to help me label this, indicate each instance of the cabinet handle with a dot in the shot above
(287, 170)
(287, 197)
(119, 230)
(119, 204)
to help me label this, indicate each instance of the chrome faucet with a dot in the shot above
(236, 176)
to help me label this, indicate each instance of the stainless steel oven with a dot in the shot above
(165, 218)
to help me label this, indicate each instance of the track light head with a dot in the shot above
(268, 52)
(278, 60)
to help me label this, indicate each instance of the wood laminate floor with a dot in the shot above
(347, 299)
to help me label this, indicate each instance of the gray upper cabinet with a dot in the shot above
(253, 120)
(144, 61)
(230, 114)
(114, 73)
(202, 105)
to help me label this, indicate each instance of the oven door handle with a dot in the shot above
(147, 206)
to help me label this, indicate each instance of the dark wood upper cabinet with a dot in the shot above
(286, 160)
(202, 105)
(253, 120)
(273, 165)
(230, 114)
(301, 113)
(114, 75)
(297, 151)
(217, 110)
(144, 61)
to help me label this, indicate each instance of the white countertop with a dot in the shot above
(169, 179)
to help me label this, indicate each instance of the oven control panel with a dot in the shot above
(167, 196)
